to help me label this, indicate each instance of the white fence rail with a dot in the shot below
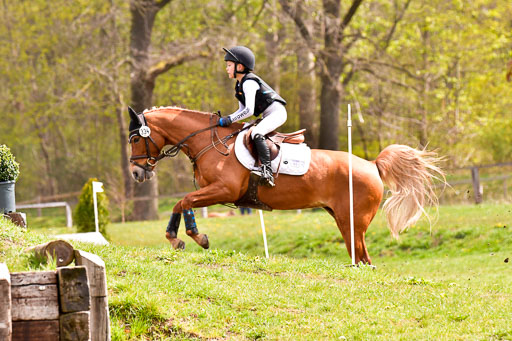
(69, 219)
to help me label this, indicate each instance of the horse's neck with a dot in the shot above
(176, 124)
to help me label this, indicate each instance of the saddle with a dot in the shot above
(274, 141)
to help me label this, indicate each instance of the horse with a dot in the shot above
(408, 172)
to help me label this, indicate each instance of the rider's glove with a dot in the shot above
(225, 121)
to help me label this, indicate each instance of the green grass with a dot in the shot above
(450, 282)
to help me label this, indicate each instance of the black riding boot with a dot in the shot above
(266, 177)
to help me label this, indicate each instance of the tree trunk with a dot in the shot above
(143, 17)
(272, 47)
(125, 165)
(329, 111)
(306, 85)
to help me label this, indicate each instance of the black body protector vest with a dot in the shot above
(265, 96)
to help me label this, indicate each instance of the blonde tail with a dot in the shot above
(408, 172)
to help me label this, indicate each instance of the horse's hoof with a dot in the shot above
(177, 244)
(180, 245)
(205, 244)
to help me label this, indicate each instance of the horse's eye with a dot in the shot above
(136, 140)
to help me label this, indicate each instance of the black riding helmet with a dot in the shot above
(240, 55)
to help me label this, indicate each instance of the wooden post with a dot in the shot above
(60, 250)
(100, 325)
(5, 303)
(75, 326)
(73, 289)
(476, 185)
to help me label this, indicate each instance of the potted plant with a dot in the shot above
(9, 172)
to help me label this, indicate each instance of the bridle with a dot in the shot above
(144, 132)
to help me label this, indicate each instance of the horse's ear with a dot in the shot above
(133, 115)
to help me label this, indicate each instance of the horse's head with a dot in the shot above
(146, 146)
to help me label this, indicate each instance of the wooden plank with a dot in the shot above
(75, 326)
(35, 302)
(95, 272)
(73, 289)
(35, 330)
(38, 277)
(5, 303)
(100, 324)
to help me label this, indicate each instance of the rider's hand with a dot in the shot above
(225, 121)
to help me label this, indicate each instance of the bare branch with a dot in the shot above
(162, 3)
(193, 51)
(396, 20)
(350, 13)
(304, 32)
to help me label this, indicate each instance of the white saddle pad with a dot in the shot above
(293, 159)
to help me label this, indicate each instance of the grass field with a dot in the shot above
(451, 281)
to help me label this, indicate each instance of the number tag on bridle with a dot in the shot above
(144, 131)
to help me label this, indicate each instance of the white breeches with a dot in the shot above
(273, 117)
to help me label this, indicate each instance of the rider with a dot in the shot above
(255, 97)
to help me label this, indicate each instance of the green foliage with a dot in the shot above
(497, 139)
(83, 216)
(9, 168)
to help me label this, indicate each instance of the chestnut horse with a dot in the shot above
(408, 173)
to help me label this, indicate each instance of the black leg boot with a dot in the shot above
(266, 178)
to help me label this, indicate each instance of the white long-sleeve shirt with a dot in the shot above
(244, 111)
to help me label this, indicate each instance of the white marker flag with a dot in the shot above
(97, 186)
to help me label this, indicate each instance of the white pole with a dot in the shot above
(96, 187)
(264, 233)
(350, 188)
(95, 210)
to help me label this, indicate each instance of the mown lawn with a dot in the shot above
(449, 282)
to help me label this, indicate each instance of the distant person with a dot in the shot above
(244, 210)
(255, 97)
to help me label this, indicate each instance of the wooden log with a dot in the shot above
(34, 296)
(5, 303)
(100, 324)
(75, 326)
(35, 330)
(73, 289)
(60, 250)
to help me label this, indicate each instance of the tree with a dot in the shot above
(145, 70)
(332, 62)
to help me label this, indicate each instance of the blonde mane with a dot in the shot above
(157, 109)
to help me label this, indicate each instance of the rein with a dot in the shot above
(151, 161)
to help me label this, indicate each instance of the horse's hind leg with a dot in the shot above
(360, 227)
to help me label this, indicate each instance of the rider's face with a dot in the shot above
(230, 69)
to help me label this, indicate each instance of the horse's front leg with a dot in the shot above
(204, 197)
(171, 232)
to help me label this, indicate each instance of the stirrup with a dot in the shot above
(266, 177)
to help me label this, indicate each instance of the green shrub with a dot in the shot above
(83, 216)
(9, 168)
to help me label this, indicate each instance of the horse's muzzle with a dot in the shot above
(141, 175)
